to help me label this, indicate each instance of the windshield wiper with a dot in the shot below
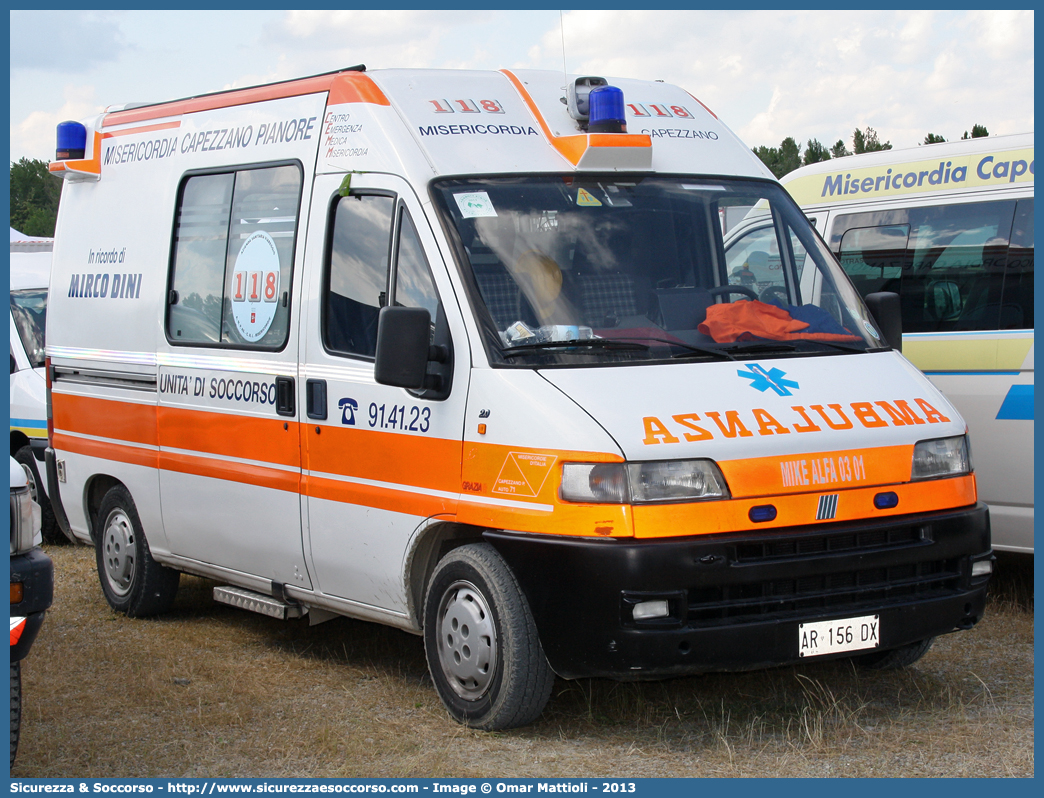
(835, 345)
(587, 343)
(760, 347)
(690, 349)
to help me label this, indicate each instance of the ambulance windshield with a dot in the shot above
(573, 269)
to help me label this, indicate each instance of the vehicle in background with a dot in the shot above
(32, 587)
(30, 272)
(949, 227)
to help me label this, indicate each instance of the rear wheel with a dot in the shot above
(16, 706)
(48, 526)
(133, 582)
(897, 657)
(481, 642)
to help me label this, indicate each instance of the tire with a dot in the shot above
(16, 707)
(896, 658)
(481, 642)
(48, 525)
(133, 582)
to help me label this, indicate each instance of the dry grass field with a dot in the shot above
(211, 691)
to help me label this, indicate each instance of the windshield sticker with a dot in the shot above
(255, 286)
(474, 204)
(870, 329)
(586, 198)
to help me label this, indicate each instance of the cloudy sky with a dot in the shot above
(767, 74)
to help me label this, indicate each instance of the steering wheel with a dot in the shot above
(733, 289)
(774, 292)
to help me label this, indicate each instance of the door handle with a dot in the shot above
(285, 405)
(315, 399)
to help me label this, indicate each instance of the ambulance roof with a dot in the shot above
(483, 122)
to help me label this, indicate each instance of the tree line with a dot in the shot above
(35, 194)
(788, 155)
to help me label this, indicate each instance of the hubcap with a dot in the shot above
(118, 552)
(467, 641)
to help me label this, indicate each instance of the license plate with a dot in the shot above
(844, 634)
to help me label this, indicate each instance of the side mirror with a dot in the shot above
(403, 339)
(887, 312)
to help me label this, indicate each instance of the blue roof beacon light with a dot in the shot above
(607, 110)
(72, 141)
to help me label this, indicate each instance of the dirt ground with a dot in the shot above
(212, 691)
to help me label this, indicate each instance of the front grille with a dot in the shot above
(772, 548)
(843, 591)
(858, 573)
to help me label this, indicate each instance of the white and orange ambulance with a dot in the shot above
(459, 352)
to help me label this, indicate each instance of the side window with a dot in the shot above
(1017, 296)
(357, 285)
(753, 260)
(946, 261)
(233, 258)
(873, 257)
(957, 270)
(413, 284)
(357, 278)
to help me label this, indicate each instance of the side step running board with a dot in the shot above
(258, 602)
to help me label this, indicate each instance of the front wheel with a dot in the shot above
(481, 642)
(133, 582)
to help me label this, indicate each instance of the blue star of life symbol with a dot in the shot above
(763, 380)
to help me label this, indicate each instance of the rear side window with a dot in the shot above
(233, 256)
(955, 267)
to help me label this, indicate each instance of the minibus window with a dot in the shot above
(873, 257)
(947, 262)
(1017, 302)
(356, 282)
(233, 258)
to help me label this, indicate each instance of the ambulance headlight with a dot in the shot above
(643, 483)
(595, 483)
(942, 457)
(676, 480)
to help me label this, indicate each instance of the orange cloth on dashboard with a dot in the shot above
(743, 321)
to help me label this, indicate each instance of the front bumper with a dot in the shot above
(736, 600)
(35, 571)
